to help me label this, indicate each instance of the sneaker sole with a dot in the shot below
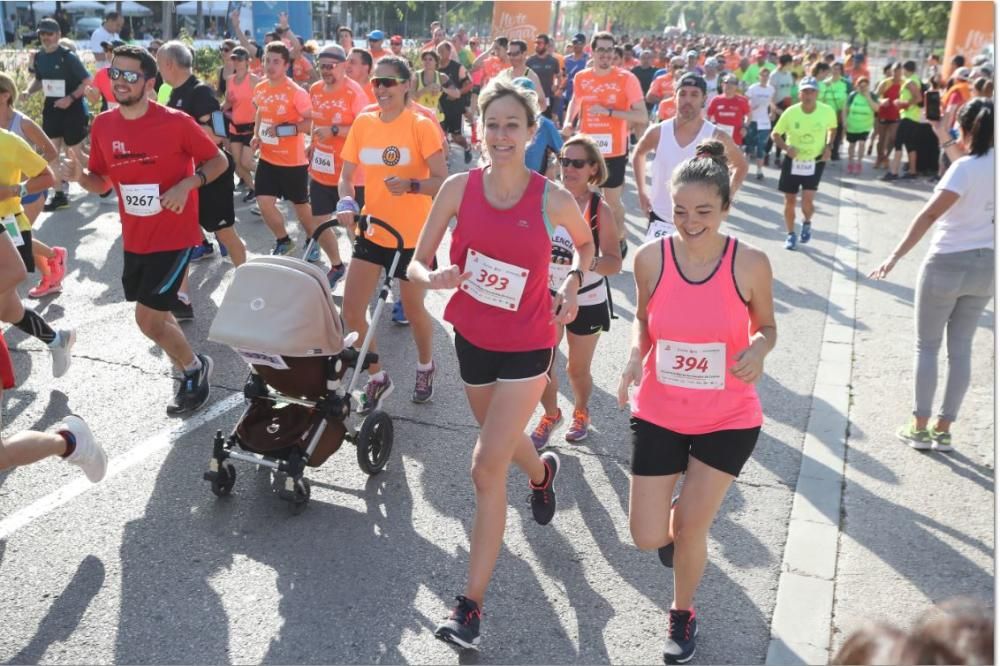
(452, 639)
(578, 438)
(919, 446)
(942, 448)
(678, 660)
(51, 290)
(69, 349)
(421, 401)
(80, 429)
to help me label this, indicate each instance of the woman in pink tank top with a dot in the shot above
(704, 323)
(505, 320)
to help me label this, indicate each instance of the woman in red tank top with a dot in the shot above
(704, 322)
(504, 318)
(888, 115)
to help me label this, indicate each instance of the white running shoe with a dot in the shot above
(61, 357)
(88, 454)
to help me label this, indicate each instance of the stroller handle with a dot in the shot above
(365, 220)
(329, 224)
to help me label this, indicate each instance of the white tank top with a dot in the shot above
(563, 250)
(15, 125)
(668, 155)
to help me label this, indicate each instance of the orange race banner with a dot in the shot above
(970, 29)
(521, 20)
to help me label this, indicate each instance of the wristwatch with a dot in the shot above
(414, 186)
(335, 130)
(23, 192)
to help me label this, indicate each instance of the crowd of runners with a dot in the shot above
(544, 136)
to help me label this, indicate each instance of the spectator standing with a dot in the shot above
(107, 32)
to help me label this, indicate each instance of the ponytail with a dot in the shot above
(976, 121)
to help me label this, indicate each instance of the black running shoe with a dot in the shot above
(250, 196)
(468, 156)
(683, 629)
(543, 497)
(194, 390)
(58, 200)
(462, 626)
(182, 311)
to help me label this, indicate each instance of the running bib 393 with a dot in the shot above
(691, 365)
(10, 224)
(659, 229)
(494, 282)
(323, 162)
(803, 167)
(54, 87)
(604, 142)
(141, 200)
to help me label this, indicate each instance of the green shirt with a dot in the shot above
(752, 75)
(912, 111)
(860, 115)
(806, 132)
(833, 93)
(163, 94)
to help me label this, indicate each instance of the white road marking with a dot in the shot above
(117, 465)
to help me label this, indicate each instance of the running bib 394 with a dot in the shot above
(54, 87)
(659, 229)
(691, 365)
(494, 282)
(803, 167)
(10, 224)
(323, 162)
(141, 200)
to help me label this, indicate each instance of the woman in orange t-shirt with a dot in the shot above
(404, 165)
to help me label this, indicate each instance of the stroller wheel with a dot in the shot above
(374, 442)
(224, 480)
(300, 496)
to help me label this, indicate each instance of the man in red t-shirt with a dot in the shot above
(730, 111)
(148, 153)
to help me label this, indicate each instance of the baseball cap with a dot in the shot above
(49, 25)
(729, 78)
(113, 44)
(239, 53)
(691, 54)
(579, 38)
(691, 79)
(808, 83)
(396, 39)
(376, 36)
(524, 82)
(963, 73)
(334, 51)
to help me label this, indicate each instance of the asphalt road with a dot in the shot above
(149, 567)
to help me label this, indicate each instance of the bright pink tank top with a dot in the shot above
(697, 329)
(505, 305)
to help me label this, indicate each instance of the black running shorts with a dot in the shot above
(657, 451)
(790, 184)
(482, 367)
(616, 171)
(323, 198)
(365, 250)
(153, 279)
(70, 124)
(591, 319)
(216, 210)
(290, 183)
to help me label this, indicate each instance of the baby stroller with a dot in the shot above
(279, 316)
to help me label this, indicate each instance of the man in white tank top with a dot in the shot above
(674, 141)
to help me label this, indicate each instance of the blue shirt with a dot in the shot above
(572, 67)
(546, 137)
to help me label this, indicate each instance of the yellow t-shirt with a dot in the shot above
(399, 149)
(17, 160)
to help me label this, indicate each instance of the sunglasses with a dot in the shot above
(115, 73)
(386, 81)
(576, 164)
(329, 66)
(604, 49)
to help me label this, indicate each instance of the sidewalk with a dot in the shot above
(916, 527)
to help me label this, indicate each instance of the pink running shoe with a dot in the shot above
(45, 287)
(57, 264)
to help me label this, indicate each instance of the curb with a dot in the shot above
(800, 627)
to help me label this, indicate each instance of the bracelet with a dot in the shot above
(948, 144)
(201, 175)
(609, 112)
(348, 204)
(579, 275)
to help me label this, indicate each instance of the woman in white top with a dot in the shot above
(956, 279)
